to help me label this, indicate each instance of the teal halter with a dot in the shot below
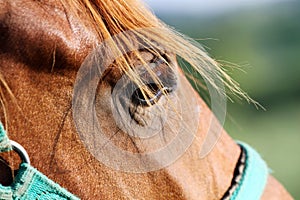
(29, 183)
(250, 176)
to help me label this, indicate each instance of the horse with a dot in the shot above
(45, 44)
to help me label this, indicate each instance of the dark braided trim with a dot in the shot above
(237, 175)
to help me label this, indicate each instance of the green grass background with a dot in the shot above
(265, 42)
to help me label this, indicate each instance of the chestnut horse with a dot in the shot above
(43, 46)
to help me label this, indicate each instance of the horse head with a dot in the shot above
(94, 92)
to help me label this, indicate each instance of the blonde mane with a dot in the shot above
(109, 18)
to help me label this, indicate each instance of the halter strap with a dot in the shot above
(248, 183)
(29, 183)
(5, 144)
(250, 176)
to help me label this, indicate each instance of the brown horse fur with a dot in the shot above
(43, 44)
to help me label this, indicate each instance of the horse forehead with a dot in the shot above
(40, 27)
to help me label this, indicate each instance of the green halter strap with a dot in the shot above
(29, 183)
(250, 176)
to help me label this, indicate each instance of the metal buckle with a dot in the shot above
(19, 149)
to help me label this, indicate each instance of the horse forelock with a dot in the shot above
(109, 18)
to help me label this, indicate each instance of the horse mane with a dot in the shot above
(111, 17)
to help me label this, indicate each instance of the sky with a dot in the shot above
(202, 6)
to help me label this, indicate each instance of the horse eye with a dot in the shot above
(154, 93)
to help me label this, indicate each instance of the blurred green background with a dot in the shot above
(264, 41)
